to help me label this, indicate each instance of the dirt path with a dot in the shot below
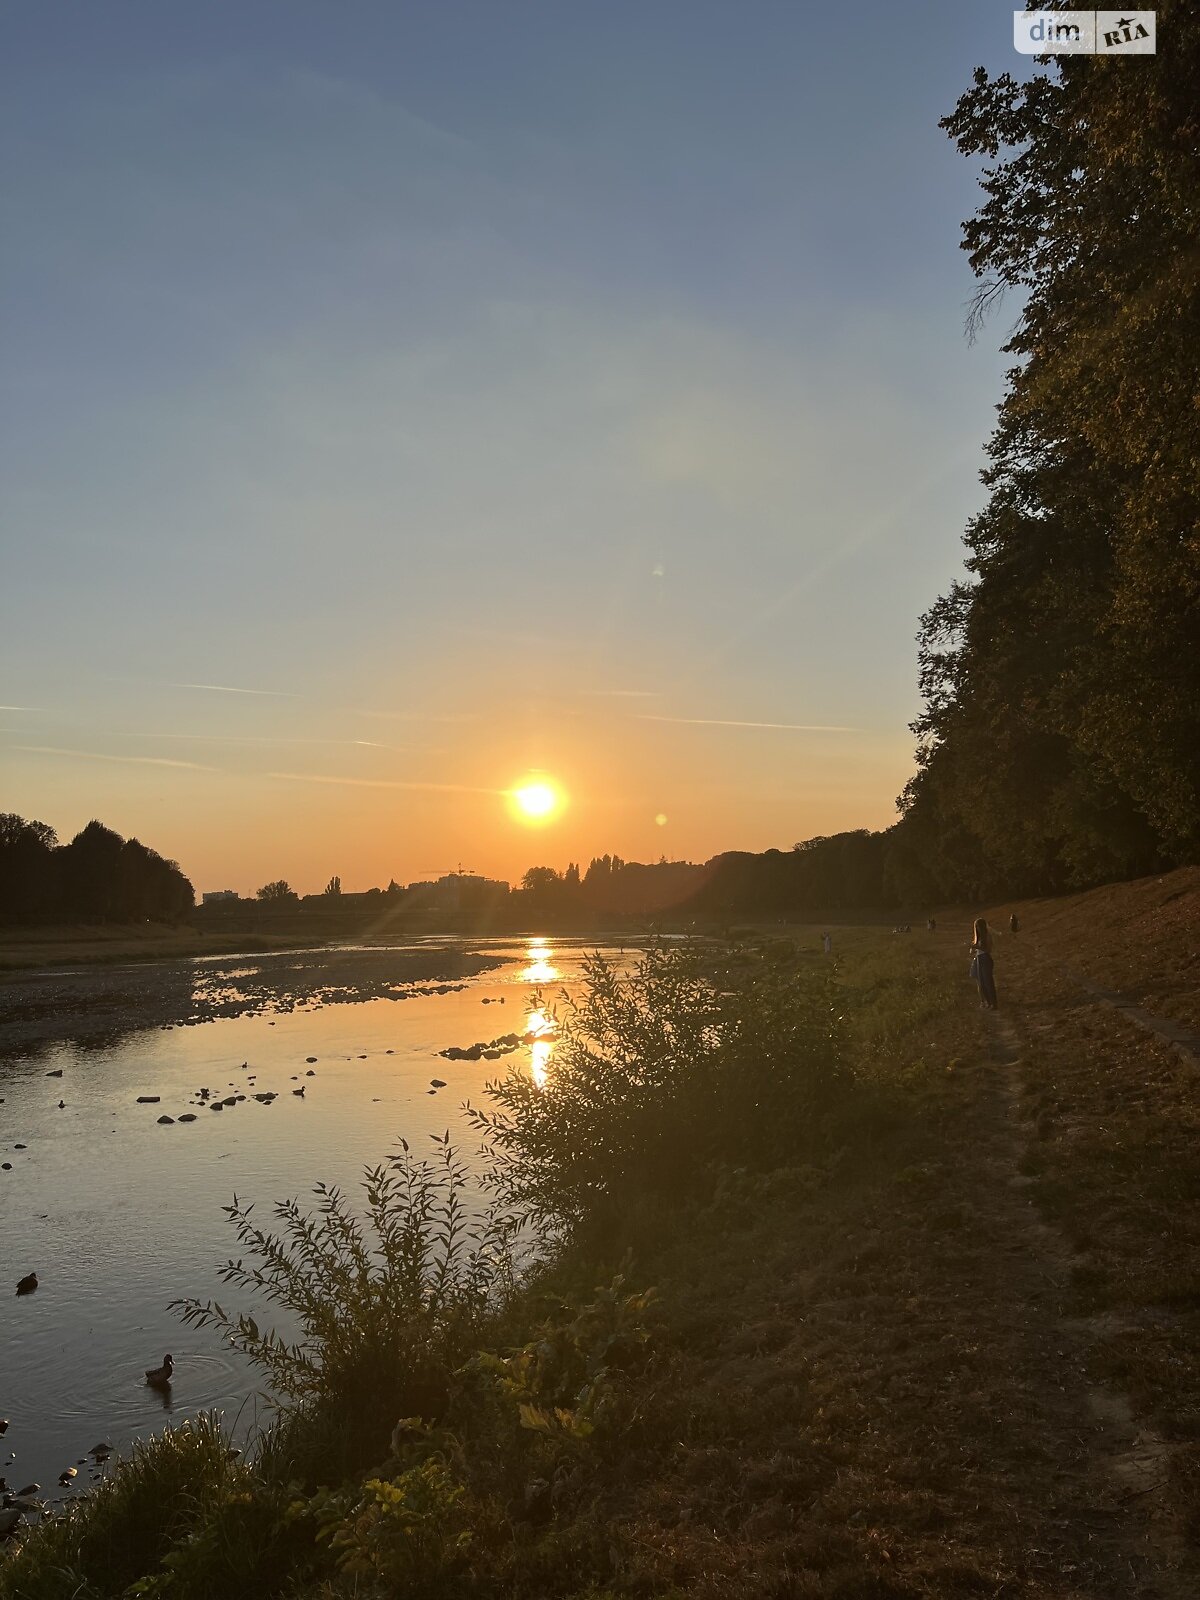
(1124, 1471)
(1083, 1140)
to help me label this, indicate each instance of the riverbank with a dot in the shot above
(952, 1352)
(80, 944)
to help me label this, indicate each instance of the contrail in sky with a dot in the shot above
(721, 722)
(276, 738)
(624, 694)
(384, 783)
(225, 688)
(96, 755)
(418, 716)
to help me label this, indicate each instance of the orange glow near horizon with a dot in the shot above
(370, 813)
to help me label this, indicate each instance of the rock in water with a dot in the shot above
(148, 1099)
(27, 1285)
(166, 1119)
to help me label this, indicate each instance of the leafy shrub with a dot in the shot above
(662, 1074)
(562, 1380)
(404, 1530)
(388, 1309)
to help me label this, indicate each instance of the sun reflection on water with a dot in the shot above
(540, 966)
(541, 1033)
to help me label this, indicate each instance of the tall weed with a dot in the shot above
(388, 1307)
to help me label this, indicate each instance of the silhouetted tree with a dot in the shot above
(280, 892)
(540, 880)
(333, 887)
(98, 876)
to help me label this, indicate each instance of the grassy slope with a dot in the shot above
(960, 1358)
(890, 1379)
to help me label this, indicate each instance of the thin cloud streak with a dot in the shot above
(97, 755)
(721, 722)
(624, 694)
(279, 738)
(418, 716)
(384, 783)
(226, 688)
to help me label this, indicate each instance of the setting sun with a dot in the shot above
(536, 799)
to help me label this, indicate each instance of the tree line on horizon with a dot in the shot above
(97, 877)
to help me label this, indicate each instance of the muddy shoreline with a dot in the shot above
(92, 1006)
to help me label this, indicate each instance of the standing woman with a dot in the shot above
(982, 969)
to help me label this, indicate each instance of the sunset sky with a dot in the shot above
(403, 398)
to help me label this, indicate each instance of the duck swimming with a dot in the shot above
(27, 1284)
(160, 1377)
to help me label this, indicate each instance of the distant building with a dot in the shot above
(212, 895)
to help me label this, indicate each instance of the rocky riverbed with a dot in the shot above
(94, 1006)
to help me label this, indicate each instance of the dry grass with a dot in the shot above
(872, 1385)
(1141, 939)
(1111, 1119)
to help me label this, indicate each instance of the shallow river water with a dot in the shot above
(119, 1214)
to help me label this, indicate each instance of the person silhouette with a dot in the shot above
(982, 968)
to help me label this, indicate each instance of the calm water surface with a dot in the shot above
(118, 1214)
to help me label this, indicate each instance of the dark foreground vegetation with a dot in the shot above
(842, 1293)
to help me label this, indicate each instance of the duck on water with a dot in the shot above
(160, 1377)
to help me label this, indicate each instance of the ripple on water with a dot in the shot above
(85, 1406)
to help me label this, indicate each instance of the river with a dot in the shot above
(119, 1213)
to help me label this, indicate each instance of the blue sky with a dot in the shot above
(490, 387)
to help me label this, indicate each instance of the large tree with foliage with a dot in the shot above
(1060, 742)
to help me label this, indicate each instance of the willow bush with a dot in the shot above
(661, 1074)
(387, 1307)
